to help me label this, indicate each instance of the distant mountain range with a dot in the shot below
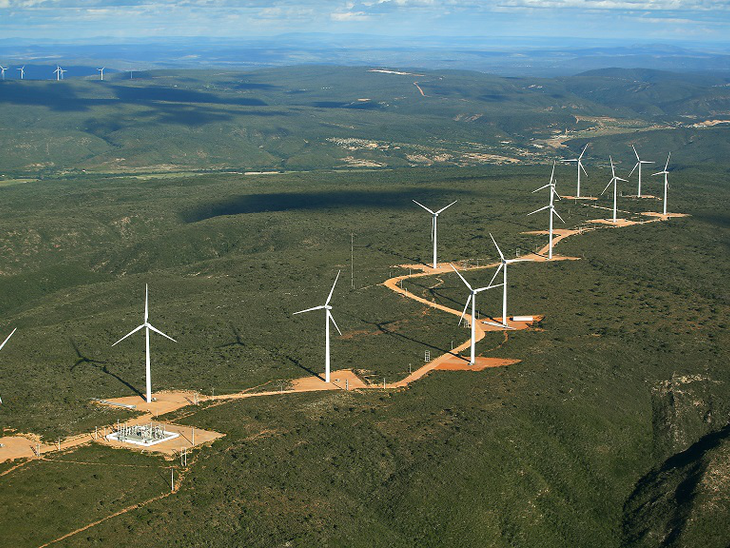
(503, 56)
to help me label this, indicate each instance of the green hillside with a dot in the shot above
(313, 117)
(610, 432)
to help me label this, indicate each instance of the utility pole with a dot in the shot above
(352, 260)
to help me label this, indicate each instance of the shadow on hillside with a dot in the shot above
(385, 330)
(287, 201)
(663, 500)
(100, 365)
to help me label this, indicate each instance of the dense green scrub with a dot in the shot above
(629, 367)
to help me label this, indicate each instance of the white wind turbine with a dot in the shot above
(22, 72)
(147, 326)
(666, 180)
(328, 318)
(3, 344)
(503, 266)
(2, 70)
(638, 165)
(579, 166)
(615, 181)
(434, 226)
(553, 194)
(58, 72)
(101, 73)
(473, 299)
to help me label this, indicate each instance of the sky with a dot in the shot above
(110, 20)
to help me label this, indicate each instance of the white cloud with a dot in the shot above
(344, 16)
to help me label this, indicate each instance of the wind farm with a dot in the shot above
(565, 397)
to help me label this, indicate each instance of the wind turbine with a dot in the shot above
(551, 207)
(434, 228)
(503, 266)
(613, 180)
(63, 71)
(2, 70)
(22, 72)
(473, 299)
(3, 344)
(639, 162)
(147, 326)
(666, 181)
(328, 318)
(579, 166)
(101, 73)
(58, 72)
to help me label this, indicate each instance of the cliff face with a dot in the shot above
(686, 500)
(684, 408)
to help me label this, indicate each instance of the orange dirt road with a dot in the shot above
(24, 446)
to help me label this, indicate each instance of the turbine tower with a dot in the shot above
(434, 226)
(553, 194)
(328, 318)
(473, 299)
(613, 180)
(666, 180)
(503, 266)
(638, 164)
(22, 72)
(3, 344)
(579, 166)
(101, 73)
(2, 70)
(147, 326)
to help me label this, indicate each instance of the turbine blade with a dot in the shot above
(333, 288)
(146, 308)
(608, 185)
(571, 160)
(153, 328)
(465, 307)
(308, 310)
(128, 334)
(8, 338)
(584, 151)
(424, 207)
(332, 319)
(632, 171)
(543, 186)
(445, 208)
(495, 245)
(667, 164)
(538, 210)
(462, 278)
(495, 274)
(552, 173)
(584, 169)
(558, 214)
(637, 154)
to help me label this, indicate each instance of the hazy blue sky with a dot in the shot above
(653, 20)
